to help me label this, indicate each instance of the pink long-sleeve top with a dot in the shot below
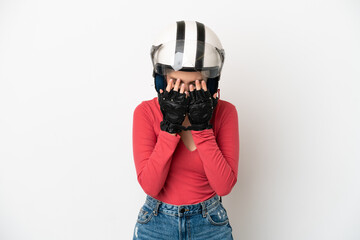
(168, 171)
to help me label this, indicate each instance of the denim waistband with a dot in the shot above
(180, 210)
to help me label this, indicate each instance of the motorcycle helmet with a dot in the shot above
(187, 46)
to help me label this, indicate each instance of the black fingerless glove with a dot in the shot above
(200, 110)
(173, 106)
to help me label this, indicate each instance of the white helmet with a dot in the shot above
(187, 46)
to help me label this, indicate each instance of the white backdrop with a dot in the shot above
(72, 72)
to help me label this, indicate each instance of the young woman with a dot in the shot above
(185, 140)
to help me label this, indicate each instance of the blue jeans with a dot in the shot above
(161, 221)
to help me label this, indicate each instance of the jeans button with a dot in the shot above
(182, 210)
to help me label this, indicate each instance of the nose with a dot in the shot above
(187, 86)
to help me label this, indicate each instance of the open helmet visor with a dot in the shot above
(188, 55)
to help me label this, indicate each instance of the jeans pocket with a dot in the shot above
(145, 214)
(217, 216)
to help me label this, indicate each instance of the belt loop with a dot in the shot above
(203, 209)
(220, 199)
(156, 209)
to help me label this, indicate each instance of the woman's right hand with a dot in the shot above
(173, 105)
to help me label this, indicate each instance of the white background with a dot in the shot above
(72, 72)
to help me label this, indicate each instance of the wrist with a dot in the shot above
(171, 127)
(199, 127)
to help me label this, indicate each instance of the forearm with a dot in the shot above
(153, 168)
(219, 167)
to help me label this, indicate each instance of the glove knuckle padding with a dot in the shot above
(173, 106)
(201, 109)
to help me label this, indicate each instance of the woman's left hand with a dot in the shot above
(201, 106)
